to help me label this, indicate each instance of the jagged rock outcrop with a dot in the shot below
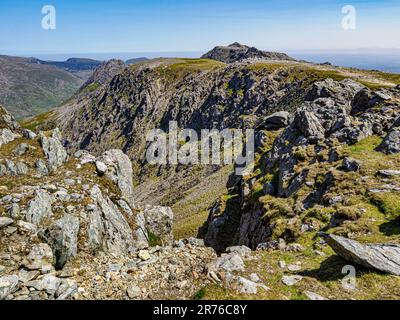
(108, 229)
(382, 257)
(7, 121)
(117, 167)
(53, 149)
(159, 222)
(391, 143)
(323, 122)
(39, 207)
(62, 236)
(105, 72)
(237, 52)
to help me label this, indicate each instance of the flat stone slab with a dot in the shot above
(382, 257)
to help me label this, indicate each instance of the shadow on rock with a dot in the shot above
(330, 270)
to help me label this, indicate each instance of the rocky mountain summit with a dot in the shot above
(236, 52)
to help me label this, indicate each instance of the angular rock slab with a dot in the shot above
(382, 257)
(53, 149)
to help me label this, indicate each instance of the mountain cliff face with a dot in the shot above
(326, 176)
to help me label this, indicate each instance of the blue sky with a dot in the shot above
(184, 25)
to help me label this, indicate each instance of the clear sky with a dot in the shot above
(182, 25)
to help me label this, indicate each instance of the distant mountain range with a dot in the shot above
(29, 86)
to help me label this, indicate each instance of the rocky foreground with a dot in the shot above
(69, 228)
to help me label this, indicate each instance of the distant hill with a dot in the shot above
(136, 60)
(238, 52)
(80, 67)
(29, 86)
(76, 64)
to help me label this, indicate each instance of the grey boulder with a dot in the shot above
(62, 236)
(53, 149)
(382, 257)
(277, 120)
(8, 285)
(39, 207)
(159, 222)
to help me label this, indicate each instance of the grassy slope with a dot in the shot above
(28, 89)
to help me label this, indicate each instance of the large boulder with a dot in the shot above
(62, 236)
(341, 92)
(53, 149)
(40, 256)
(391, 143)
(365, 99)
(7, 136)
(382, 257)
(276, 121)
(108, 228)
(159, 222)
(39, 207)
(8, 285)
(7, 120)
(308, 124)
(117, 166)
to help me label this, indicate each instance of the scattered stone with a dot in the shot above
(294, 267)
(196, 242)
(14, 211)
(119, 170)
(26, 226)
(159, 222)
(144, 255)
(101, 167)
(277, 120)
(350, 165)
(247, 286)
(291, 280)
(47, 283)
(5, 222)
(313, 296)
(133, 291)
(8, 285)
(254, 277)
(229, 262)
(391, 143)
(7, 136)
(39, 256)
(21, 149)
(243, 251)
(389, 173)
(28, 134)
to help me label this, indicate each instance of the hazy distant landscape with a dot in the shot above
(382, 60)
